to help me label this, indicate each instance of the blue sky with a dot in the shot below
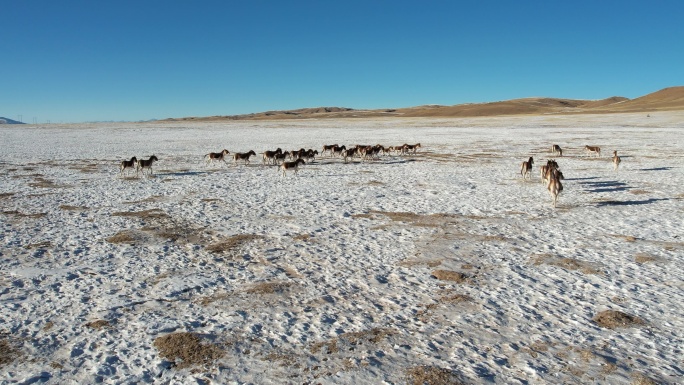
(75, 61)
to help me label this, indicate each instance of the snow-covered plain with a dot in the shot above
(437, 266)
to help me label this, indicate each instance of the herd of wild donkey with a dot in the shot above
(286, 160)
(291, 160)
(551, 174)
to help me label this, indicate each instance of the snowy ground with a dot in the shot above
(440, 266)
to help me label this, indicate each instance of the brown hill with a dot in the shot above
(666, 99)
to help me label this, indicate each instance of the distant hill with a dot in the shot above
(666, 99)
(8, 121)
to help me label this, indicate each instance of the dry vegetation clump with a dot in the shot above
(145, 214)
(566, 263)
(641, 379)
(417, 262)
(350, 340)
(644, 258)
(126, 236)
(42, 183)
(269, 288)
(448, 275)
(8, 353)
(73, 208)
(187, 349)
(421, 220)
(432, 375)
(233, 243)
(99, 324)
(612, 319)
(38, 245)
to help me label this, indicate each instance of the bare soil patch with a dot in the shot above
(613, 319)
(187, 349)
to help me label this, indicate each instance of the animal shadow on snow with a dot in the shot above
(656, 169)
(605, 186)
(630, 203)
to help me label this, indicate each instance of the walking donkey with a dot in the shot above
(526, 168)
(146, 163)
(593, 149)
(292, 165)
(616, 160)
(218, 156)
(555, 186)
(243, 156)
(128, 164)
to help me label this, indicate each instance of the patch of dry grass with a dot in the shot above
(350, 340)
(414, 219)
(73, 208)
(145, 214)
(419, 262)
(432, 375)
(23, 215)
(613, 319)
(451, 276)
(187, 349)
(566, 263)
(38, 245)
(98, 324)
(269, 288)
(627, 238)
(644, 258)
(126, 236)
(8, 353)
(233, 243)
(642, 379)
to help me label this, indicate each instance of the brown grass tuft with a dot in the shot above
(566, 263)
(8, 353)
(233, 243)
(641, 379)
(73, 208)
(99, 324)
(431, 375)
(612, 319)
(145, 214)
(269, 288)
(186, 350)
(125, 236)
(644, 258)
(349, 340)
(448, 275)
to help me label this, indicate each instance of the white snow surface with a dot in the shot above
(332, 274)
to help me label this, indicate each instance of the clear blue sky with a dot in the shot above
(75, 61)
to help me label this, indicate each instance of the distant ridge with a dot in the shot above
(667, 99)
(9, 121)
